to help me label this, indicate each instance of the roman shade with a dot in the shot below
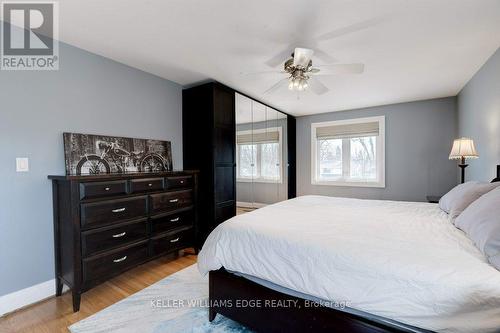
(348, 130)
(258, 137)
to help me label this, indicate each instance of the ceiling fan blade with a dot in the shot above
(316, 86)
(325, 57)
(279, 58)
(302, 56)
(350, 29)
(340, 69)
(263, 72)
(276, 86)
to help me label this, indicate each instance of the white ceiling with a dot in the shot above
(412, 50)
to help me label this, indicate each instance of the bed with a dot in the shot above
(410, 271)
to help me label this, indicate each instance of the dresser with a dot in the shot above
(106, 224)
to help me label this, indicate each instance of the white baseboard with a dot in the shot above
(24, 297)
(250, 204)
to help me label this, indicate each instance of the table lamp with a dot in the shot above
(463, 149)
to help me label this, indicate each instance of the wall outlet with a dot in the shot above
(22, 164)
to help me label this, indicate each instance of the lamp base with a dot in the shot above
(463, 166)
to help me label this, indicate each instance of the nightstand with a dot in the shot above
(433, 198)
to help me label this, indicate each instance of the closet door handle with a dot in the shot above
(118, 210)
(106, 189)
(120, 259)
(175, 240)
(173, 200)
(174, 220)
(150, 184)
(119, 235)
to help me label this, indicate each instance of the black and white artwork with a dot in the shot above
(98, 154)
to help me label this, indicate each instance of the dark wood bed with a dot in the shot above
(229, 294)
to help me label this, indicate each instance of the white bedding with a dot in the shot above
(400, 260)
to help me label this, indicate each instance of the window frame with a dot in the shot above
(260, 179)
(380, 154)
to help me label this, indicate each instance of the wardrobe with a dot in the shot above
(244, 150)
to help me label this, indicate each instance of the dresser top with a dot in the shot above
(111, 176)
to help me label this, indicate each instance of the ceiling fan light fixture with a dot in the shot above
(298, 83)
(299, 69)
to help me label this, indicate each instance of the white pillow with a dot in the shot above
(481, 222)
(461, 196)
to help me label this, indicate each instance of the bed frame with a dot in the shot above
(497, 179)
(229, 294)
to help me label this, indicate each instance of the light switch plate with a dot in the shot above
(22, 164)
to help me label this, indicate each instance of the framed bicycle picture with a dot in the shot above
(98, 154)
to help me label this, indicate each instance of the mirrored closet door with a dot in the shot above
(261, 154)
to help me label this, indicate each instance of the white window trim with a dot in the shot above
(280, 151)
(380, 182)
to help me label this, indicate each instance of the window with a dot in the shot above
(348, 152)
(259, 155)
(247, 157)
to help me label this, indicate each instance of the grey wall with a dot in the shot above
(88, 94)
(266, 193)
(418, 140)
(479, 118)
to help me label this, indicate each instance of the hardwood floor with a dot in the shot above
(56, 314)
(243, 210)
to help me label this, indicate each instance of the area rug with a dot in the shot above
(177, 303)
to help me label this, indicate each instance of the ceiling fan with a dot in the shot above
(301, 74)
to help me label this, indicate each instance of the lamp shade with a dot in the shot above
(463, 147)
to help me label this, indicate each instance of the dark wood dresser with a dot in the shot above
(106, 224)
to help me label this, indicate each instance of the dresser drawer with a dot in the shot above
(105, 265)
(175, 219)
(146, 185)
(170, 201)
(107, 238)
(102, 189)
(111, 211)
(171, 241)
(179, 182)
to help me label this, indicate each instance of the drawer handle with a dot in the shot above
(174, 220)
(118, 210)
(175, 240)
(150, 184)
(173, 200)
(120, 259)
(182, 182)
(106, 189)
(120, 234)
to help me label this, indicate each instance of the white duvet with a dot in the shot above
(400, 260)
